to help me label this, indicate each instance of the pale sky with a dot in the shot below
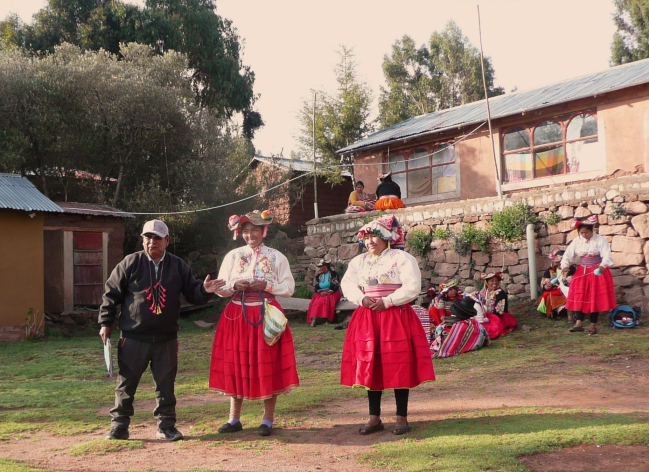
(291, 45)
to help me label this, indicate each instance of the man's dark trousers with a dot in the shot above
(133, 357)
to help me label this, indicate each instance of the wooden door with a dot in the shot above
(88, 268)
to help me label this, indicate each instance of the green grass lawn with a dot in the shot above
(57, 386)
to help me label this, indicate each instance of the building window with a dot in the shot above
(552, 147)
(424, 171)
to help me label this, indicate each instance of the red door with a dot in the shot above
(88, 268)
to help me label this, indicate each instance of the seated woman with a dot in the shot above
(441, 304)
(553, 300)
(460, 332)
(359, 201)
(327, 294)
(388, 193)
(492, 307)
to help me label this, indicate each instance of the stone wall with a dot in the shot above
(336, 238)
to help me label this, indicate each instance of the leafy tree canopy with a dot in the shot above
(211, 44)
(631, 40)
(443, 74)
(342, 118)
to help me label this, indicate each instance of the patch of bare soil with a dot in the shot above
(328, 441)
(591, 459)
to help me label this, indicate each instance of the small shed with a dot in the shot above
(22, 212)
(295, 212)
(82, 246)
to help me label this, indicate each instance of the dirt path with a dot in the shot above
(328, 442)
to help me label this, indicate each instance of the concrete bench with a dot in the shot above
(302, 304)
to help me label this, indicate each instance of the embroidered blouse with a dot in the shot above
(595, 246)
(491, 302)
(392, 266)
(257, 264)
(551, 273)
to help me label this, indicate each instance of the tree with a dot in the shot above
(341, 118)
(444, 74)
(631, 40)
(212, 45)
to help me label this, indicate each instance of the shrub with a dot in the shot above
(618, 212)
(302, 291)
(442, 233)
(510, 224)
(340, 269)
(552, 219)
(300, 276)
(470, 235)
(420, 241)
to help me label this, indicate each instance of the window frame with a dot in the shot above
(532, 148)
(430, 150)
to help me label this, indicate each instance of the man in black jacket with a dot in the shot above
(148, 285)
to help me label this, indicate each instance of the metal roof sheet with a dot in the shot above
(92, 209)
(614, 78)
(18, 193)
(294, 164)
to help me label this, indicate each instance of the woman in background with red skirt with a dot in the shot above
(591, 288)
(327, 294)
(243, 365)
(492, 306)
(385, 346)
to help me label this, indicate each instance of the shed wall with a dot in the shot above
(21, 271)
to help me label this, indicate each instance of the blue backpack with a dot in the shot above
(624, 317)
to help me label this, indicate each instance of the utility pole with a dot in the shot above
(315, 170)
(486, 95)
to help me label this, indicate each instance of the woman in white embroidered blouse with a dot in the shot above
(243, 366)
(385, 346)
(591, 288)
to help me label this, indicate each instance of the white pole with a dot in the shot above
(531, 260)
(315, 170)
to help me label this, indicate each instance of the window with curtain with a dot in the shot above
(424, 171)
(554, 146)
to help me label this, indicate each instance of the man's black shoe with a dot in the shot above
(231, 428)
(118, 433)
(170, 434)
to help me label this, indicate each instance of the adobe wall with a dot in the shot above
(21, 271)
(336, 236)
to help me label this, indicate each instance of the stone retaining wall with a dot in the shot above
(336, 238)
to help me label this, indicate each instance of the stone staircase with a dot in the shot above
(300, 269)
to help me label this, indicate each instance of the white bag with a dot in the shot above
(274, 323)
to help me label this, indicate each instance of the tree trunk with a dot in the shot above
(41, 169)
(119, 185)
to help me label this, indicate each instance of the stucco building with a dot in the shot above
(576, 130)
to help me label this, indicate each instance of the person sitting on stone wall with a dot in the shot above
(359, 201)
(388, 193)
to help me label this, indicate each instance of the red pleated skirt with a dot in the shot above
(436, 315)
(499, 325)
(323, 306)
(386, 350)
(243, 365)
(590, 293)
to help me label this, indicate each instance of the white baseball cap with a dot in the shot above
(156, 227)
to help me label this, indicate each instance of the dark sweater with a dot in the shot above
(334, 283)
(127, 286)
(388, 188)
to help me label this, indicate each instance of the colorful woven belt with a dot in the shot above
(252, 298)
(588, 261)
(380, 290)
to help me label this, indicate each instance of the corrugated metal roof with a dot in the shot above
(294, 164)
(92, 209)
(18, 193)
(614, 78)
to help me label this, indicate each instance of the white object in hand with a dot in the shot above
(108, 357)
